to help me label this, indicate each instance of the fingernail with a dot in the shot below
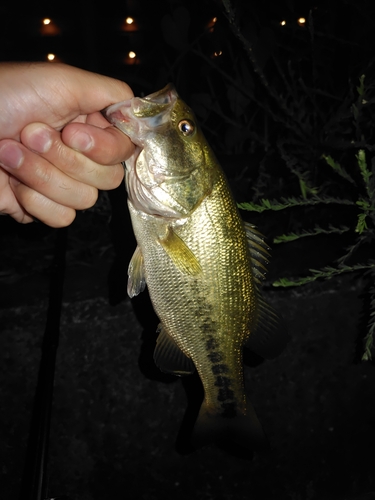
(11, 156)
(39, 140)
(81, 141)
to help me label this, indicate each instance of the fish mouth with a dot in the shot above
(136, 118)
(165, 96)
(138, 115)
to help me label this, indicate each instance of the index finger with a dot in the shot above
(106, 146)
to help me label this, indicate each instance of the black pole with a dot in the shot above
(34, 483)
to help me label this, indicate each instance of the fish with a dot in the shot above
(203, 266)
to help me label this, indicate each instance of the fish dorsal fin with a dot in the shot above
(136, 274)
(181, 255)
(268, 333)
(168, 356)
(258, 252)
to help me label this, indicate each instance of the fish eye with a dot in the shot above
(186, 127)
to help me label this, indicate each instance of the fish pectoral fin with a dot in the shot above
(268, 333)
(180, 253)
(136, 274)
(168, 356)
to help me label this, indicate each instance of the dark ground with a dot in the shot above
(116, 418)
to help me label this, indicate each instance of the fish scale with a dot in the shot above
(217, 304)
(202, 265)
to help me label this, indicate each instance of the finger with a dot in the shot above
(41, 176)
(9, 204)
(54, 94)
(98, 140)
(47, 142)
(39, 206)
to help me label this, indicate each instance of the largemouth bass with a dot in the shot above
(202, 265)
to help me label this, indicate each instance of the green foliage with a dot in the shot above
(337, 168)
(296, 123)
(306, 146)
(362, 197)
(265, 204)
(369, 339)
(285, 238)
(326, 272)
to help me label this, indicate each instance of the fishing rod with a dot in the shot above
(34, 482)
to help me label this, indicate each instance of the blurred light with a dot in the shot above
(211, 24)
(218, 53)
(51, 57)
(301, 21)
(49, 28)
(129, 24)
(131, 58)
(283, 23)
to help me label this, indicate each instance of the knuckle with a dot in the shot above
(67, 158)
(43, 174)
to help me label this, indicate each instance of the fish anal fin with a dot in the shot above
(180, 253)
(136, 274)
(168, 356)
(268, 334)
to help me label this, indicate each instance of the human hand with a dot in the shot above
(45, 173)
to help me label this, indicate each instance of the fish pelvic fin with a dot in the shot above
(169, 358)
(268, 333)
(244, 430)
(180, 254)
(136, 274)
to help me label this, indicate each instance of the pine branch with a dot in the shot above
(284, 238)
(327, 272)
(338, 168)
(302, 175)
(366, 174)
(369, 340)
(353, 248)
(276, 96)
(367, 208)
(284, 203)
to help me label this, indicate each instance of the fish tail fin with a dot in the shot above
(242, 430)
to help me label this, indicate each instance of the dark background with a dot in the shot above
(120, 428)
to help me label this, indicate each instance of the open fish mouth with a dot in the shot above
(164, 96)
(137, 117)
(134, 116)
